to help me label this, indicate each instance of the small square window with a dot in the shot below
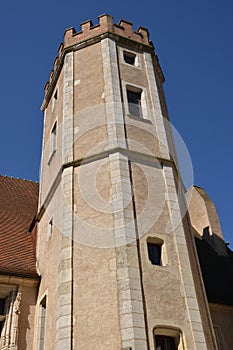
(164, 342)
(129, 57)
(134, 102)
(155, 252)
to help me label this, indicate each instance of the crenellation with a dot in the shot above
(86, 26)
(89, 31)
(55, 64)
(60, 49)
(51, 75)
(126, 25)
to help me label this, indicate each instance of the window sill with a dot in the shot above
(141, 119)
(132, 65)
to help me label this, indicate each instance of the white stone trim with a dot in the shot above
(131, 313)
(112, 94)
(145, 102)
(189, 291)
(68, 100)
(64, 303)
(158, 115)
(138, 63)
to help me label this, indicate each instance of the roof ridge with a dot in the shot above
(18, 178)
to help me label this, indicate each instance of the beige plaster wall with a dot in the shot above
(96, 322)
(203, 212)
(27, 317)
(204, 218)
(48, 265)
(163, 285)
(96, 319)
(90, 133)
(141, 134)
(51, 166)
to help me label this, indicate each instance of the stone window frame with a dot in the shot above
(155, 259)
(170, 331)
(137, 64)
(54, 99)
(134, 95)
(42, 311)
(53, 141)
(146, 115)
(158, 241)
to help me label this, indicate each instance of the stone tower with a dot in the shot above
(115, 250)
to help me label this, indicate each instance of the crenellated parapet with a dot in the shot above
(88, 30)
(89, 33)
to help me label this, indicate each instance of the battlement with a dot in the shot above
(89, 31)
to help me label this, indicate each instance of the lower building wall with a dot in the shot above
(26, 317)
(222, 317)
(48, 252)
(96, 320)
(172, 304)
(96, 323)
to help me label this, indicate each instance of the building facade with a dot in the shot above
(115, 253)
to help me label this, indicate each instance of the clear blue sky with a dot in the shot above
(194, 41)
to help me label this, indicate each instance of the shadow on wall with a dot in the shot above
(216, 261)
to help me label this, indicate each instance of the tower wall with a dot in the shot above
(109, 186)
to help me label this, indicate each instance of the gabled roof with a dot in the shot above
(18, 206)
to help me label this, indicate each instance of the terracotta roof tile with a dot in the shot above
(18, 206)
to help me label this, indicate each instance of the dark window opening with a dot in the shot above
(129, 58)
(163, 342)
(55, 95)
(134, 103)
(2, 306)
(154, 252)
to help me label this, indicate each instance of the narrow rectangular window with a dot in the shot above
(134, 102)
(42, 316)
(54, 100)
(53, 141)
(154, 252)
(2, 306)
(164, 342)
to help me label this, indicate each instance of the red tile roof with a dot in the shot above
(18, 206)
